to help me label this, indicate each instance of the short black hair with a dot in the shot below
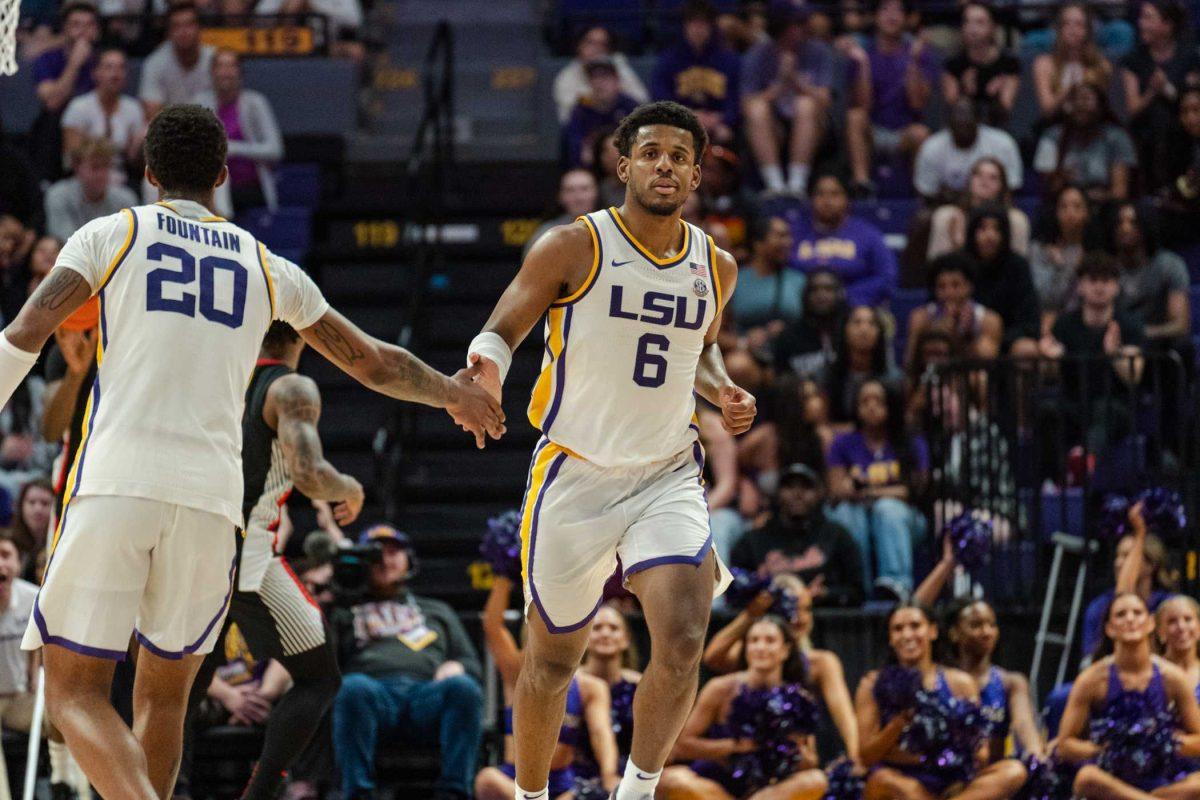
(1098, 266)
(181, 6)
(956, 261)
(78, 5)
(758, 227)
(663, 112)
(698, 9)
(185, 149)
(280, 336)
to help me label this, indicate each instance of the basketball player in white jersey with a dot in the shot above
(633, 299)
(143, 547)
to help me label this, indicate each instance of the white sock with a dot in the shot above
(637, 784)
(60, 762)
(525, 794)
(772, 176)
(798, 178)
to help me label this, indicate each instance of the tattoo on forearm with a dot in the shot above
(57, 289)
(340, 347)
(412, 378)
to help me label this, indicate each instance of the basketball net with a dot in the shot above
(10, 10)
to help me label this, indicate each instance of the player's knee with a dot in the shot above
(684, 647)
(547, 672)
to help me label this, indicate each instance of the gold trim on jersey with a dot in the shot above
(716, 272)
(213, 218)
(593, 273)
(262, 262)
(543, 390)
(537, 480)
(112, 265)
(641, 248)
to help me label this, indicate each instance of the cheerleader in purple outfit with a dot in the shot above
(1130, 684)
(611, 657)
(899, 775)
(586, 719)
(725, 766)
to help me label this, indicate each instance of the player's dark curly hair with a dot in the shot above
(185, 149)
(279, 337)
(664, 112)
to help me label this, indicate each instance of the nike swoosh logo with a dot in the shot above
(640, 776)
(616, 263)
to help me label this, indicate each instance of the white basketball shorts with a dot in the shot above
(123, 565)
(577, 518)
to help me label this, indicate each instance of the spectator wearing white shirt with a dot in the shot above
(571, 83)
(345, 16)
(255, 144)
(18, 669)
(107, 113)
(179, 68)
(945, 160)
(89, 193)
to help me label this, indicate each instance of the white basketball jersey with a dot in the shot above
(617, 377)
(185, 299)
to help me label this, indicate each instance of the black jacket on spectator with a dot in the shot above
(817, 547)
(1004, 284)
(20, 195)
(407, 635)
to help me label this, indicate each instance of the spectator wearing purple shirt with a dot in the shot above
(604, 107)
(59, 75)
(874, 472)
(255, 143)
(893, 82)
(700, 72)
(66, 71)
(851, 248)
(787, 79)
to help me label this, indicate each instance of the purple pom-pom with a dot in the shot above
(747, 585)
(1114, 517)
(1138, 738)
(501, 546)
(971, 535)
(945, 732)
(622, 713)
(1163, 511)
(1049, 779)
(844, 783)
(770, 717)
(896, 689)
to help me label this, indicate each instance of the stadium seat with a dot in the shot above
(299, 184)
(289, 228)
(889, 214)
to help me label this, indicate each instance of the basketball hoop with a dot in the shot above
(10, 10)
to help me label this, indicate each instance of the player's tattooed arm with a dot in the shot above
(713, 383)
(292, 408)
(55, 299)
(397, 373)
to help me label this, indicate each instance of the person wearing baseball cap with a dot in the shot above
(800, 540)
(409, 670)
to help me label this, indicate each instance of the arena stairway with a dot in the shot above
(442, 487)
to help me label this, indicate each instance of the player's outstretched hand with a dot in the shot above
(488, 376)
(347, 509)
(473, 408)
(738, 408)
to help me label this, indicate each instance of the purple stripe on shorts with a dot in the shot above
(561, 368)
(555, 466)
(194, 646)
(693, 561)
(75, 647)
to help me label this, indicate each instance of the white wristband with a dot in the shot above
(492, 347)
(15, 364)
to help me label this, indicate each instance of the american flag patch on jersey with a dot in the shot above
(696, 268)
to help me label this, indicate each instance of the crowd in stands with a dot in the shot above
(1065, 242)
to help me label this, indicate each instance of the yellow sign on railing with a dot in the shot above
(273, 40)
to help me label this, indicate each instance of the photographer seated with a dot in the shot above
(409, 671)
